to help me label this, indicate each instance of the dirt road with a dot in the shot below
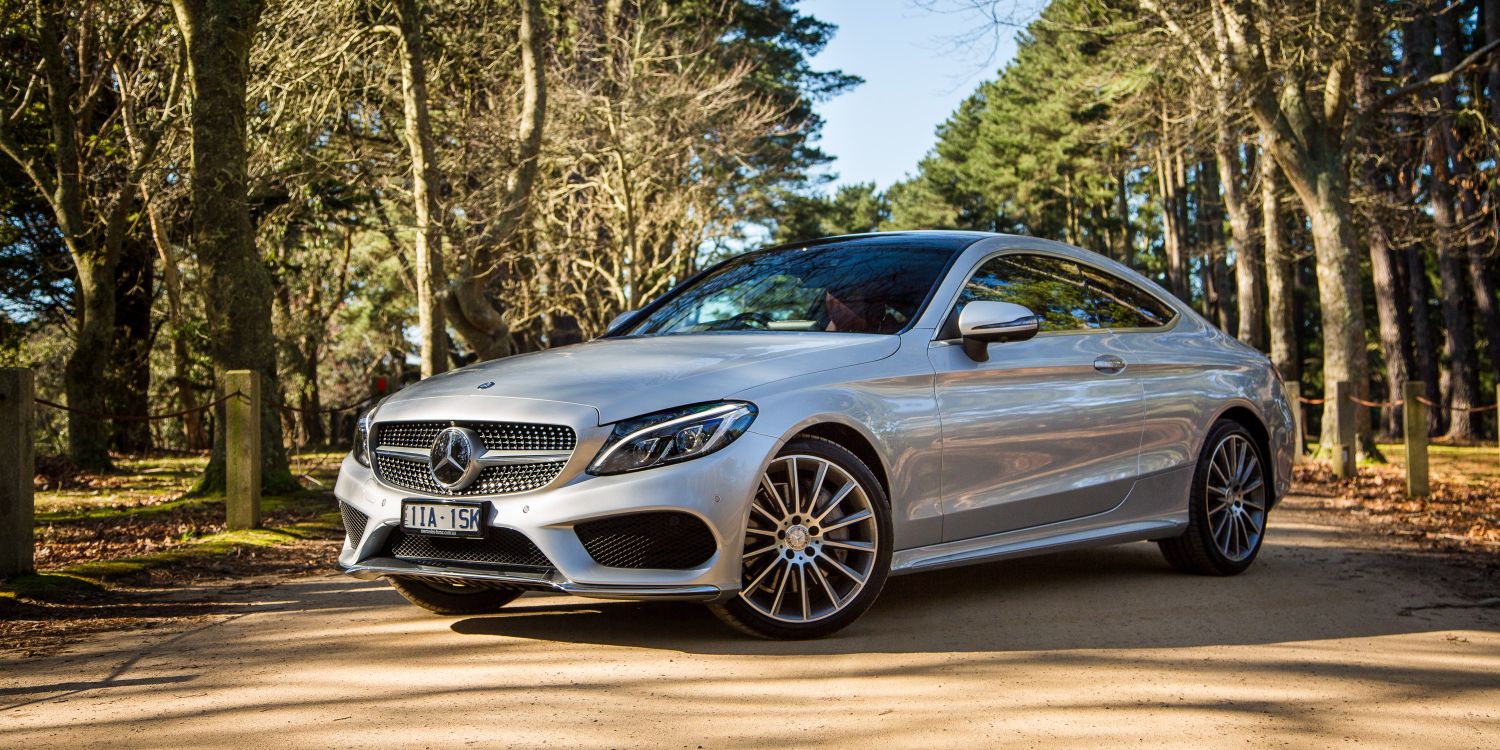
(1326, 642)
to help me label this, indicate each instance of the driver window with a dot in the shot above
(1052, 288)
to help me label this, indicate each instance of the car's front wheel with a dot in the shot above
(453, 598)
(817, 544)
(1227, 506)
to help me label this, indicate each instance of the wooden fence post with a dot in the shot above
(242, 449)
(17, 467)
(1294, 395)
(1343, 415)
(1416, 439)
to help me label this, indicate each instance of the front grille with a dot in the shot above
(497, 436)
(501, 548)
(662, 540)
(354, 523)
(492, 480)
(411, 473)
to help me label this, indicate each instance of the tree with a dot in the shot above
(88, 73)
(424, 176)
(237, 287)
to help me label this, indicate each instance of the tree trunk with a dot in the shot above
(430, 326)
(1322, 184)
(1467, 186)
(1394, 323)
(182, 360)
(1385, 272)
(310, 419)
(83, 373)
(1248, 275)
(1279, 275)
(237, 287)
(94, 258)
(1446, 160)
(469, 306)
(1215, 257)
(1424, 339)
(129, 373)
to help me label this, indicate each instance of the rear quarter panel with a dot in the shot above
(1193, 374)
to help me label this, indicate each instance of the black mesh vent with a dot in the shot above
(492, 480)
(354, 523)
(663, 540)
(503, 548)
(497, 436)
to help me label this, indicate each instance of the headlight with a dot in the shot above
(668, 437)
(361, 450)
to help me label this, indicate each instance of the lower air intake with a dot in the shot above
(664, 540)
(354, 523)
(502, 548)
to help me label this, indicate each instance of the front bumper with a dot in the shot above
(716, 489)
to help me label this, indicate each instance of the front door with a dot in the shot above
(1047, 429)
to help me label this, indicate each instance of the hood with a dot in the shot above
(626, 377)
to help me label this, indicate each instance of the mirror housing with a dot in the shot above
(982, 323)
(619, 320)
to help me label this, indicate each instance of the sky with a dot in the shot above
(916, 69)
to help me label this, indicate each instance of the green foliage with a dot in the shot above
(852, 209)
(1036, 150)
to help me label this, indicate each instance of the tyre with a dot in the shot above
(452, 598)
(817, 545)
(1227, 506)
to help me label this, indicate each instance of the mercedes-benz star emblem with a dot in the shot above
(453, 459)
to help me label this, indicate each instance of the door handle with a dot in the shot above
(1109, 364)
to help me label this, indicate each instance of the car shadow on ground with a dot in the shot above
(1115, 597)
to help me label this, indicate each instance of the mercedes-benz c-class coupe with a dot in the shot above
(785, 430)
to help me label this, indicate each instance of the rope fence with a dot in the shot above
(1414, 428)
(1399, 402)
(137, 417)
(195, 409)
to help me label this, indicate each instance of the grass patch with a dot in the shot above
(212, 546)
(96, 575)
(1464, 464)
(47, 586)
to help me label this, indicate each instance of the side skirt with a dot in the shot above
(1029, 542)
(1155, 508)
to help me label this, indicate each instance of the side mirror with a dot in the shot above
(983, 323)
(620, 320)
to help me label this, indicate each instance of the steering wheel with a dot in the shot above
(751, 320)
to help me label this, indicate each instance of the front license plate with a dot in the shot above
(442, 519)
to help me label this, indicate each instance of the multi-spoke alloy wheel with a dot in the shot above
(1228, 504)
(1236, 497)
(816, 544)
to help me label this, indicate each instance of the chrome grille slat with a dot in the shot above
(407, 473)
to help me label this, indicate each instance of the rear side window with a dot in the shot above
(1118, 303)
(1053, 288)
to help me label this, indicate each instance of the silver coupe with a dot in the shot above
(785, 430)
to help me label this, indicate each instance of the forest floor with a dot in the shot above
(124, 550)
(1368, 620)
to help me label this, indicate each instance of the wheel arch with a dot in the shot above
(855, 442)
(1247, 417)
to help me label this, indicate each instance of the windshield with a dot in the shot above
(849, 288)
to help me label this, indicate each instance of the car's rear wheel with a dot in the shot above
(1227, 506)
(817, 544)
(453, 597)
